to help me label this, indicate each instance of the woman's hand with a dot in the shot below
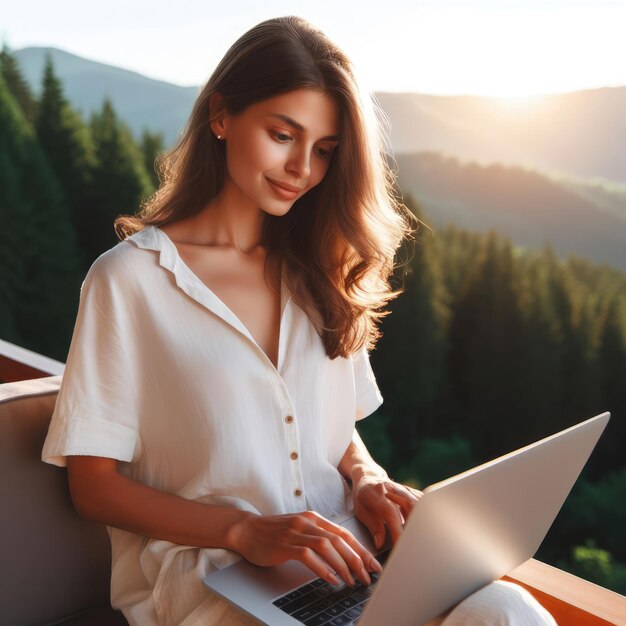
(324, 547)
(379, 502)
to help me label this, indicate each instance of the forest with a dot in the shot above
(489, 347)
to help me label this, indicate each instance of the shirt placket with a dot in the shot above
(293, 450)
(155, 239)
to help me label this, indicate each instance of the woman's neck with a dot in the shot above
(228, 221)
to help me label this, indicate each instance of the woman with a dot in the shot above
(220, 354)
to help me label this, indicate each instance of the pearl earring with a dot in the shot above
(219, 136)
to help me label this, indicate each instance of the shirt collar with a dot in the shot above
(153, 238)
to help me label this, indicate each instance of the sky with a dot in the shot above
(507, 48)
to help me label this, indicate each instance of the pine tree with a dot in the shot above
(612, 383)
(119, 183)
(542, 345)
(568, 296)
(69, 149)
(487, 359)
(151, 146)
(458, 249)
(17, 85)
(39, 268)
(410, 357)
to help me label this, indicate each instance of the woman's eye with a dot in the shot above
(285, 138)
(282, 137)
(323, 153)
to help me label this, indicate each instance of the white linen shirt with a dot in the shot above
(164, 377)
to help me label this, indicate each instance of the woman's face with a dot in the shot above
(285, 140)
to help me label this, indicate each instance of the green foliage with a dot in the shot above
(151, 146)
(410, 358)
(486, 331)
(69, 150)
(598, 509)
(374, 431)
(17, 85)
(500, 347)
(62, 183)
(594, 562)
(39, 271)
(120, 179)
(436, 460)
(597, 565)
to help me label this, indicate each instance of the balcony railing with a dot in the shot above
(21, 364)
(572, 601)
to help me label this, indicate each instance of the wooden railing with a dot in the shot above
(571, 600)
(18, 363)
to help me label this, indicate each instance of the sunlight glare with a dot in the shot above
(519, 103)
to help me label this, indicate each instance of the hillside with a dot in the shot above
(580, 133)
(140, 101)
(576, 217)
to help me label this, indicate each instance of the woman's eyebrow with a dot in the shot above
(298, 126)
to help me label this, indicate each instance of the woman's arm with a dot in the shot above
(100, 493)
(378, 500)
(357, 462)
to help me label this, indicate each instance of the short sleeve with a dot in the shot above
(368, 396)
(95, 411)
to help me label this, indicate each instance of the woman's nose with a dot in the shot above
(300, 164)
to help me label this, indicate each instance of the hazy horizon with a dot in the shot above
(504, 48)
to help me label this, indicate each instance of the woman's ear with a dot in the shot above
(217, 113)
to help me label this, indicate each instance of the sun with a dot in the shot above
(519, 103)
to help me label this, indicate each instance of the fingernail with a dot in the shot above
(377, 540)
(365, 577)
(334, 580)
(377, 566)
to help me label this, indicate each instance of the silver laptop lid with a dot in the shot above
(478, 526)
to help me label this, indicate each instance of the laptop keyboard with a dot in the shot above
(319, 603)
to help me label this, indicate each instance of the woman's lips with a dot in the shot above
(285, 194)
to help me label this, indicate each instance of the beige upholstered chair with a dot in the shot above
(55, 565)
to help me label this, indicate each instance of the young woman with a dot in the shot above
(220, 354)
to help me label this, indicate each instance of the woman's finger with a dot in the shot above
(404, 496)
(402, 501)
(358, 562)
(375, 525)
(406, 499)
(339, 555)
(416, 492)
(314, 562)
(365, 555)
(391, 514)
(331, 553)
(404, 491)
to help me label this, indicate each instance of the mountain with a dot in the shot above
(581, 133)
(140, 101)
(575, 216)
(548, 169)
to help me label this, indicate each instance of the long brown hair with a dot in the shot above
(338, 242)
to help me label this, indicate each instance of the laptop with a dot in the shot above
(464, 533)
